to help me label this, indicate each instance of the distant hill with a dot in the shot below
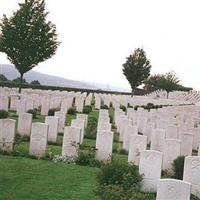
(11, 73)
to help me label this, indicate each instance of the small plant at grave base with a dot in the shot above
(33, 112)
(91, 130)
(123, 151)
(104, 107)
(3, 114)
(71, 111)
(178, 166)
(87, 109)
(87, 158)
(64, 159)
(136, 107)
(123, 108)
(52, 111)
(111, 119)
(149, 106)
(117, 181)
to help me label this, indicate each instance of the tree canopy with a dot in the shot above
(168, 82)
(136, 68)
(27, 37)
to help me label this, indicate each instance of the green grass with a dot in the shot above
(27, 179)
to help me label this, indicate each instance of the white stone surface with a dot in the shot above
(24, 124)
(150, 167)
(138, 143)
(104, 145)
(52, 121)
(191, 173)
(172, 149)
(172, 189)
(38, 140)
(7, 134)
(157, 139)
(70, 141)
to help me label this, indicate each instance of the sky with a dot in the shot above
(97, 35)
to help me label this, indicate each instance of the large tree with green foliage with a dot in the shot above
(27, 37)
(168, 82)
(136, 68)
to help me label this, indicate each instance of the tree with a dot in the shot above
(168, 82)
(137, 68)
(3, 78)
(35, 82)
(18, 80)
(27, 38)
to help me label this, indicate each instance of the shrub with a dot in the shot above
(117, 181)
(3, 114)
(136, 107)
(71, 111)
(123, 108)
(104, 107)
(91, 130)
(111, 192)
(111, 119)
(123, 151)
(177, 166)
(87, 158)
(52, 111)
(33, 112)
(87, 109)
(121, 174)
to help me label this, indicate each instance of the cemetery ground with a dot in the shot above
(26, 177)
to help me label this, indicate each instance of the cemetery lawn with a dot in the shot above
(29, 179)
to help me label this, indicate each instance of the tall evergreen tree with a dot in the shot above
(137, 68)
(27, 37)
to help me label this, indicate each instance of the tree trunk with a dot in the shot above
(132, 93)
(167, 95)
(20, 84)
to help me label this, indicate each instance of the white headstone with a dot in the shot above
(150, 167)
(70, 141)
(191, 173)
(104, 145)
(38, 141)
(24, 124)
(7, 134)
(138, 143)
(172, 149)
(52, 121)
(61, 120)
(172, 189)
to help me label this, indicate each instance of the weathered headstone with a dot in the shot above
(150, 167)
(24, 124)
(7, 134)
(70, 141)
(191, 173)
(104, 145)
(52, 121)
(38, 141)
(172, 189)
(138, 143)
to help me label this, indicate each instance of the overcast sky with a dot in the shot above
(98, 35)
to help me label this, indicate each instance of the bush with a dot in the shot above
(121, 174)
(123, 108)
(117, 181)
(52, 111)
(87, 109)
(177, 166)
(136, 107)
(123, 151)
(3, 114)
(104, 107)
(111, 192)
(87, 158)
(71, 111)
(91, 130)
(33, 112)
